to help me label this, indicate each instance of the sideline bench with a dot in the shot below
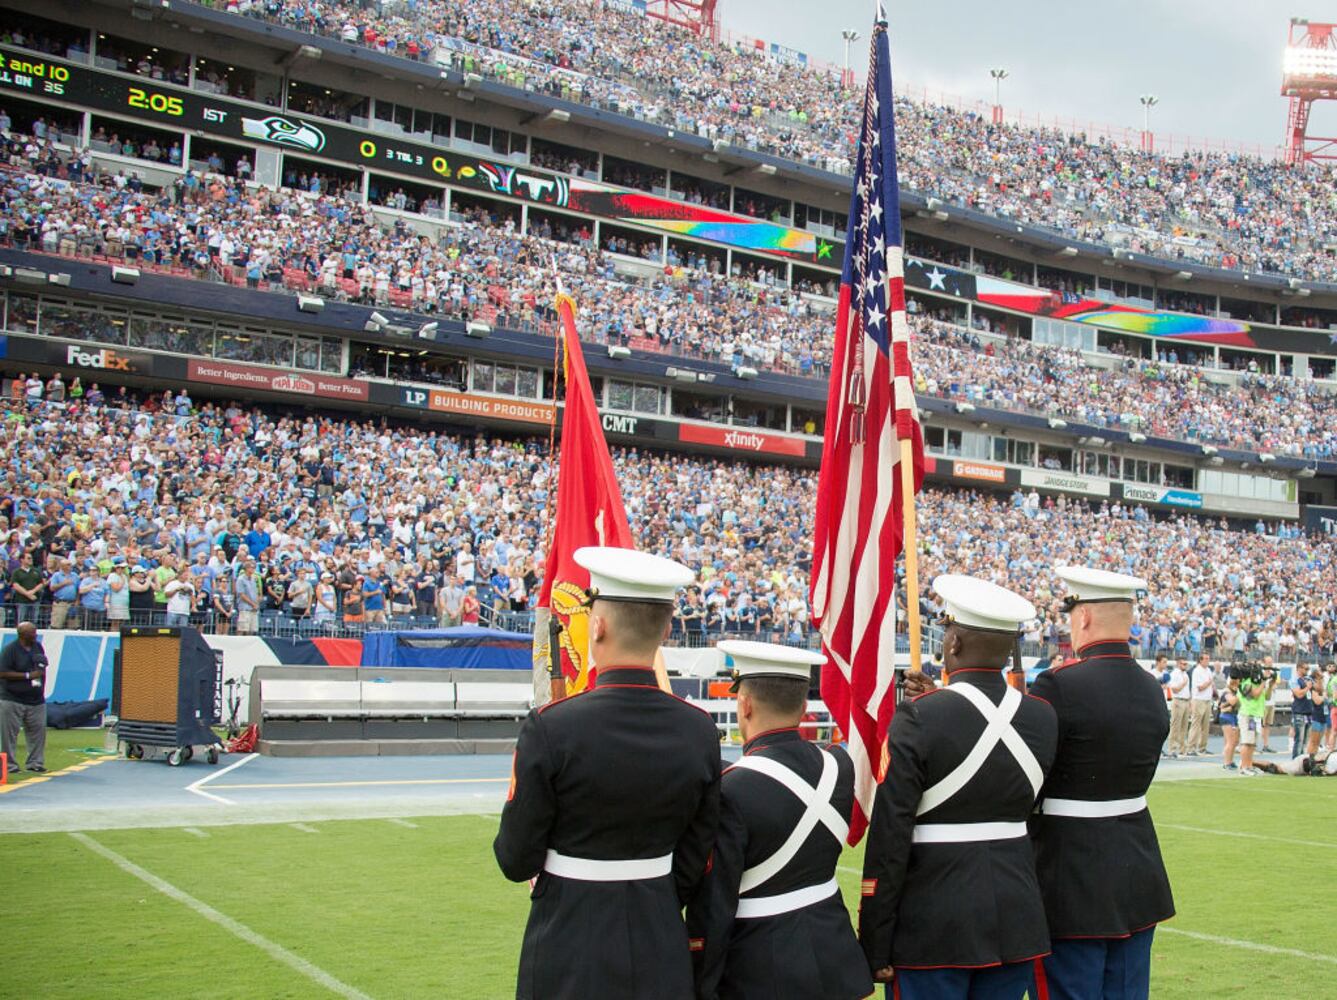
(375, 711)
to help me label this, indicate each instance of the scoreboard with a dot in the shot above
(184, 110)
(22, 73)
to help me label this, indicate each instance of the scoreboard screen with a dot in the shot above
(192, 111)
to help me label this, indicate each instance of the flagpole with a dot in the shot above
(910, 524)
(911, 549)
(556, 678)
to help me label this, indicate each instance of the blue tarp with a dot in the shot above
(463, 648)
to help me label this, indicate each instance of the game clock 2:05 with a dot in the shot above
(152, 100)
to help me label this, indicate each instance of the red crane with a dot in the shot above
(697, 16)
(1309, 74)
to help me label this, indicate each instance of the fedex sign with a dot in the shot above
(105, 359)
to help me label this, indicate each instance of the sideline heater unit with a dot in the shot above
(167, 692)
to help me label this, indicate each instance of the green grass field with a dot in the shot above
(392, 910)
(64, 747)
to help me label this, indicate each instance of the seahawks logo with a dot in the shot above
(282, 132)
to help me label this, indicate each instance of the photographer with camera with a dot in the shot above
(1330, 692)
(1228, 707)
(1269, 715)
(1318, 712)
(1301, 709)
(1255, 688)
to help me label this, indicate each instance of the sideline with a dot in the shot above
(275, 951)
(1267, 949)
(370, 783)
(1247, 836)
(83, 765)
(195, 785)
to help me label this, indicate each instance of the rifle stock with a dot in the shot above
(556, 679)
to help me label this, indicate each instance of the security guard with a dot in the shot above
(769, 922)
(613, 805)
(951, 905)
(1097, 856)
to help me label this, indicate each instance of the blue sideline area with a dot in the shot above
(464, 648)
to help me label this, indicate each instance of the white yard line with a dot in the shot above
(1246, 836)
(194, 831)
(1267, 949)
(402, 822)
(238, 929)
(303, 828)
(213, 775)
(97, 669)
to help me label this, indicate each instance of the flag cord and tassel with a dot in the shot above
(911, 549)
(558, 376)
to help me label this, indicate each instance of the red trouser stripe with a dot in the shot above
(1041, 983)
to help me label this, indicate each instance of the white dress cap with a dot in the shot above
(1086, 584)
(628, 575)
(768, 659)
(975, 603)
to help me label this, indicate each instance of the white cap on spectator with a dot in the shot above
(974, 603)
(627, 575)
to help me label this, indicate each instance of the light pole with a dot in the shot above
(999, 75)
(1148, 101)
(851, 36)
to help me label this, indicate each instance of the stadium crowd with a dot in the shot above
(1221, 209)
(485, 268)
(117, 508)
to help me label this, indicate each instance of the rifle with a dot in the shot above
(556, 679)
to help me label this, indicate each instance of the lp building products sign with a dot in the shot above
(470, 405)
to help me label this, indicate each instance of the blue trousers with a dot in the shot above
(1097, 969)
(999, 982)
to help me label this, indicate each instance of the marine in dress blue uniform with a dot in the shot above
(768, 922)
(613, 806)
(951, 907)
(1097, 855)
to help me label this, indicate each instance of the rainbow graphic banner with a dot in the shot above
(650, 210)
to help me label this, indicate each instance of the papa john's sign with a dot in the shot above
(272, 380)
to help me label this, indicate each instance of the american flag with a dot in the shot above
(871, 409)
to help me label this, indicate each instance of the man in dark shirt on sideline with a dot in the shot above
(23, 698)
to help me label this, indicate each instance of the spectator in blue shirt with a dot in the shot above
(64, 589)
(93, 601)
(202, 574)
(501, 589)
(198, 539)
(373, 599)
(257, 539)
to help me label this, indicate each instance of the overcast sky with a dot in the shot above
(1215, 65)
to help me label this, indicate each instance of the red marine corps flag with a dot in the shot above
(589, 512)
(872, 455)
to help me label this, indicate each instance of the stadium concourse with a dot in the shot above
(344, 524)
(213, 224)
